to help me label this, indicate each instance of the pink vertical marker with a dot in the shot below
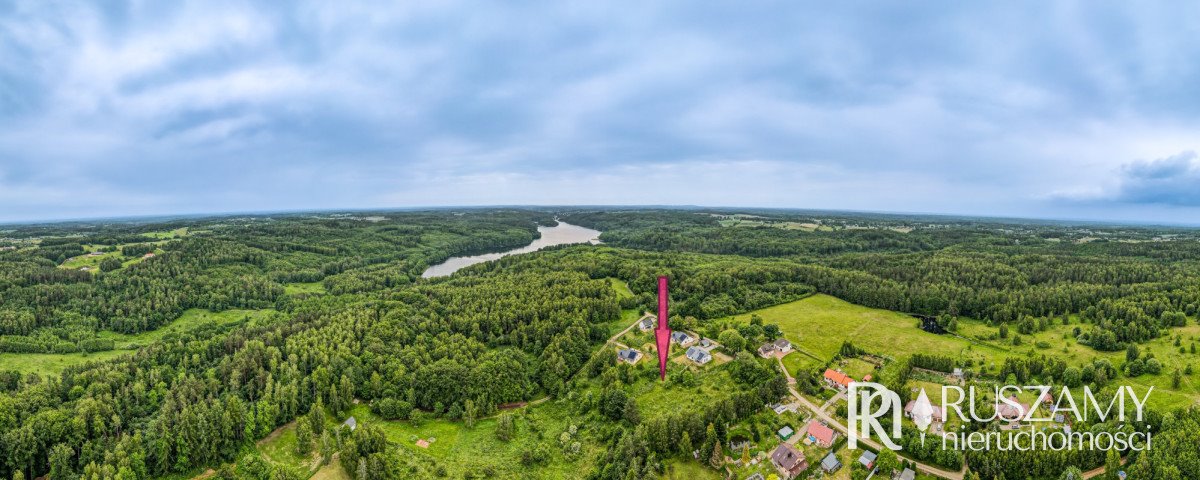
(662, 335)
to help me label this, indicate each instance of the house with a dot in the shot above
(1011, 413)
(629, 355)
(907, 474)
(1048, 399)
(837, 379)
(682, 338)
(779, 408)
(698, 355)
(830, 463)
(148, 255)
(351, 422)
(789, 461)
(937, 411)
(957, 374)
(647, 323)
(95, 254)
(707, 343)
(786, 432)
(766, 350)
(85, 269)
(820, 433)
(783, 346)
(867, 459)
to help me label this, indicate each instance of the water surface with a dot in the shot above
(561, 234)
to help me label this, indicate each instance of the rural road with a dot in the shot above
(929, 469)
(833, 422)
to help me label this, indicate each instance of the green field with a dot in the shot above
(52, 363)
(191, 318)
(818, 324)
(312, 288)
(620, 287)
(168, 234)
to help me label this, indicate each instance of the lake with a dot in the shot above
(561, 234)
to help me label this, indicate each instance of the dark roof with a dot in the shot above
(680, 336)
(787, 457)
(830, 462)
(351, 422)
(628, 354)
(908, 474)
(782, 343)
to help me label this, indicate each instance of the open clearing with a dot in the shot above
(818, 324)
(54, 363)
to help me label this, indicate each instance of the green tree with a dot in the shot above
(1112, 464)
(303, 438)
(685, 445)
(732, 340)
(470, 413)
(62, 458)
(504, 427)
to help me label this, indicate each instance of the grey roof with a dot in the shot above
(648, 321)
(830, 462)
(351, 422)
(866, 458)
(698, 354)
(782, 343)
(628, 354)
(908, 474)
(680, 336)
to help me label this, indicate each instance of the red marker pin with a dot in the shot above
(662, 335)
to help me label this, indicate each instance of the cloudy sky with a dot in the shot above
(1085, 110)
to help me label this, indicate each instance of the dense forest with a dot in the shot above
(351, 322)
